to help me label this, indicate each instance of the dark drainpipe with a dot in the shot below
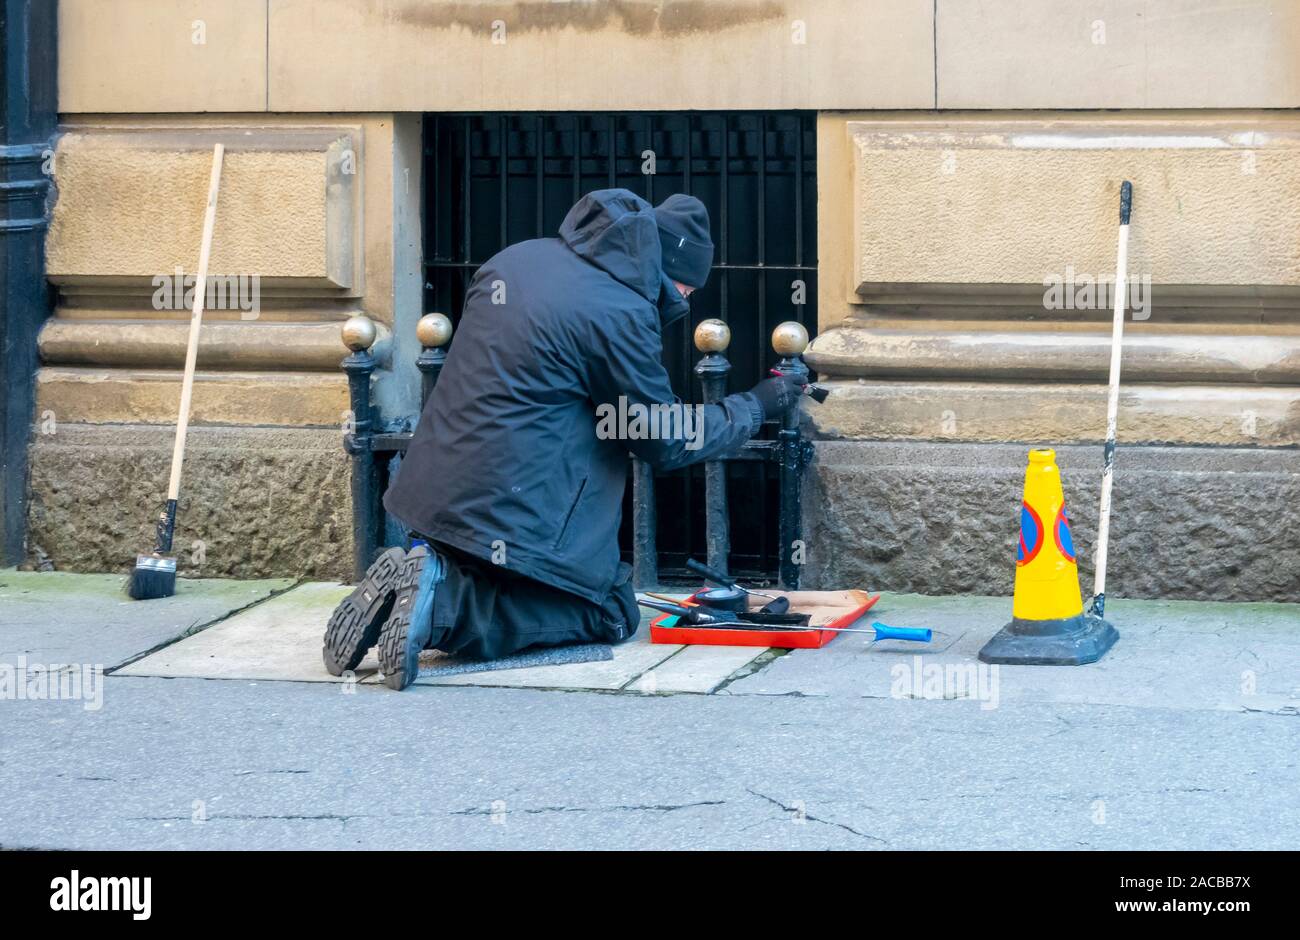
(28, 87)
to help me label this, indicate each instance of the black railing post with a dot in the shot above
(712, 337)
(790, 339)
(359, 334)
(645, 560)
(434, 333)
(645, 550)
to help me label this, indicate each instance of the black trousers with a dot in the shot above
(483, 611)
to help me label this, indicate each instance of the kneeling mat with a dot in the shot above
(433, 663)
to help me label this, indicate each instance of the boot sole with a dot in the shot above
(355, 625)
(395, 662)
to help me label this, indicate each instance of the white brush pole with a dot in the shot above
(196, 321)
(1112, 403)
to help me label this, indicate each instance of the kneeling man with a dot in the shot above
(512, 487)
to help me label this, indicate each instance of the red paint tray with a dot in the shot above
(825, 609)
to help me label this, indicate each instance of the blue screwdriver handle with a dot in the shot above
(886, 632)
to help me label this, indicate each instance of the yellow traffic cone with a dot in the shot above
(1048, 626)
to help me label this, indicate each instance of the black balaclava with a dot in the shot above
(672, 305)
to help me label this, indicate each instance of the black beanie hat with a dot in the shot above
(684, 233)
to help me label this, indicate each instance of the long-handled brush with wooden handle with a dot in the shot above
(155, 574)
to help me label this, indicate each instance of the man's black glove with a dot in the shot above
(778, 394)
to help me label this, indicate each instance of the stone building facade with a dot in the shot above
(969, 156)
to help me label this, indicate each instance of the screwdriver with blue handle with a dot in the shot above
(883, 631)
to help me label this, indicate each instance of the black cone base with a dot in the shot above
(1070, 642)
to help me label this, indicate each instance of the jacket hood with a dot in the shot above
(615, 230)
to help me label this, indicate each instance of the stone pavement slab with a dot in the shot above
(699, 669)
(631, 659)
(278, 639)
(638, 666)
(59, 617)
(1171, 654)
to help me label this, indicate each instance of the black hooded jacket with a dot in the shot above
(510, 461)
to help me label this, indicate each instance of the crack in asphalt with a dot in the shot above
(1285, 711)
(811, 818)
(256, 816)
(348, 817)
(1069, 726)
(538, 810)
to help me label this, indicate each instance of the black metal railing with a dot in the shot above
(374, 451)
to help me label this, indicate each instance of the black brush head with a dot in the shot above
(775, 620)
(153, 576)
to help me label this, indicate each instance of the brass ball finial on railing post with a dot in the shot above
(712, 337)
(434, 333)
(359, 334)
(789, 340)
